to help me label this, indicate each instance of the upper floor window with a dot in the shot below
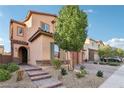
(20, 31)
(45, 27)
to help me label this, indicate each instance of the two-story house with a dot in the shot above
(32, 39)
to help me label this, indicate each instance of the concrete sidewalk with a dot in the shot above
(116, 80)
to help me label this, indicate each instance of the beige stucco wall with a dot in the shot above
(16, 49)
(35, 21)
(15, 35)
(35, 50)
(46, 50)
(29, 22)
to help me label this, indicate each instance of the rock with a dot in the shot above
(20, 75)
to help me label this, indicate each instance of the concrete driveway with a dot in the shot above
(107, 70)
(116, 80)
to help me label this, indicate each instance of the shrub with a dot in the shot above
(80, 74)
(4, 75)
(82, 67)
(63, 71)
(3, 66)
(95, 62)
(99, 73)
(83, 71)
(12, 67)
(102, 63)
(56, 64)
(114, 64)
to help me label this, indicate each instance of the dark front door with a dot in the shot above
(23, 55)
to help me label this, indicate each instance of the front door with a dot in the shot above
(23, 55)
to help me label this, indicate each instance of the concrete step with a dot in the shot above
(35, 78)
(36, 73)
(32, 69)
(48, 83)
(61, 86)
(53, 85)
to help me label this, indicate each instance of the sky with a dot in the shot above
(106, 23)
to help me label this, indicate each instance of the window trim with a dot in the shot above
(45, 23)
(22, 31)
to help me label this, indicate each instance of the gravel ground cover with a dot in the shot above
(70, 80)
(89, 81)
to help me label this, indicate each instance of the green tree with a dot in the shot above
(119, 52)
(71, 25)
(105, 51)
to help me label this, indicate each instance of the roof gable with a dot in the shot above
(38, 13)
(38, 33)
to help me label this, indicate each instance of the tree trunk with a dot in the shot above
(68, 60)
(71, 63)
(77, 58)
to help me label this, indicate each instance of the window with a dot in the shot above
(45, 27)
(55, 51)
(20, 31)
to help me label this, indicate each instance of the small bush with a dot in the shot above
(82, 67)
(83, 71)
(56, 64)
(80, 74)
(114, 64)
(102, 63)
(3, 66)
(63, 71)
(95, 62)
(12, 67)
(4, 75)
(99, 73)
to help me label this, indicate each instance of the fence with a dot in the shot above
(5, 59)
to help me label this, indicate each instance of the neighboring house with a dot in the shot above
(100, 43)
(91, 50)
(1, 49)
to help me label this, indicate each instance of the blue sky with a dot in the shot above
(106, 23)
